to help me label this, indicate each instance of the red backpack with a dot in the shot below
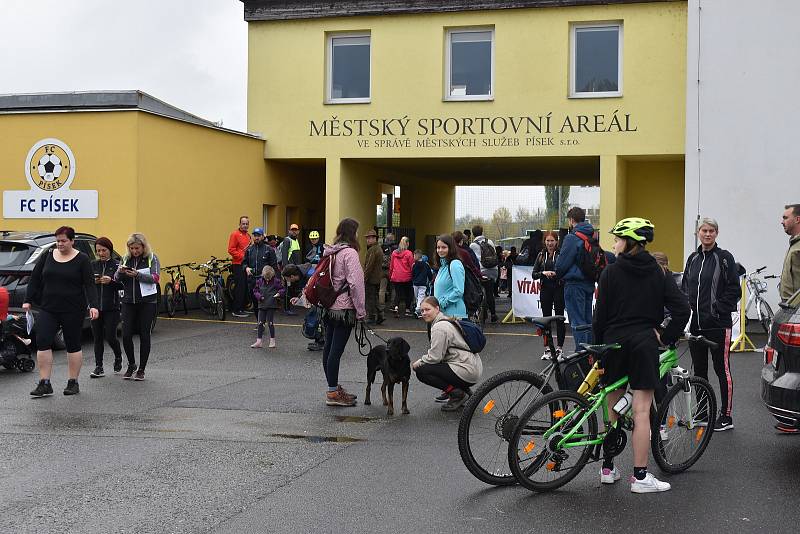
(319, 290)
(592, 258)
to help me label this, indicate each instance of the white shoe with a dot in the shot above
(546, 355)
(609, 476)
(663, 432)
(650, 484)
(272, 343)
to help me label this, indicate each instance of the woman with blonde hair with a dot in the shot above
(139, 273)
(401, 264)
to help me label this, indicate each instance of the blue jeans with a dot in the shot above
(578, 301)
(336, 337)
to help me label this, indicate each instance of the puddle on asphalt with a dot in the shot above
(319, 439)
(353, 419)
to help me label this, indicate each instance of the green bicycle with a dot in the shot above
(558, 435)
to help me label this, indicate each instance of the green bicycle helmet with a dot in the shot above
(634, 228)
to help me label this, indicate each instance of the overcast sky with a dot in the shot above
(190, 53)
(483, 200)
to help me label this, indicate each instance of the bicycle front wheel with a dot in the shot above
(488, 420)
(169, 296)
(204, 298)
(765, 315)
(684, 424)
(219, 305)
(542, 463)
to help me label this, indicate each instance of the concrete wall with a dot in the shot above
(741, 153)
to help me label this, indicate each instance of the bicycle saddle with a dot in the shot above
(600, 350)
(545, 322)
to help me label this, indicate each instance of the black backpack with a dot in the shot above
(591, 257)
(473, 291)
(488, 254)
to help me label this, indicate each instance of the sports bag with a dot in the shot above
(319, 289)
(592, 258)
(573, 373)
(472, 334)
(488, 254)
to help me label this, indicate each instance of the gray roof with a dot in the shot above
(98, 101)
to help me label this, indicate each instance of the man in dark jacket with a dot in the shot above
(711, 282)
(257, 255)
(373, 272)
(578, 289)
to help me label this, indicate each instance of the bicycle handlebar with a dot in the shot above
(701, 339)
(757, 271)
(770, 276)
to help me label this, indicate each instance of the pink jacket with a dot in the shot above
(400, 266)
(347, 268)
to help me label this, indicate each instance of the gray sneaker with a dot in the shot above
(457, 399)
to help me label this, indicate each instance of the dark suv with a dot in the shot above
(780, 377)
(19, 252)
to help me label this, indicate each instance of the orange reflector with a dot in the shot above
(489, 406)
(558, 414)
(699, 434)
(550, 466)
(670, 421)
(529, 447)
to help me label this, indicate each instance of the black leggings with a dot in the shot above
(553, 296)
(266, 316)
(336, 336)
(137, 318)
(440, 376)
(104, 329)
(404, 291)
(720, 357)
(71, 324)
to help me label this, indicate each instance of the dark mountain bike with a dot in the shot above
(175, 292)
(211, 293)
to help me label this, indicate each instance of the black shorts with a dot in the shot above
(47, 324)
(638, 359)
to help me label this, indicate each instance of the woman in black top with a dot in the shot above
(552, 290)
(138, 272)
(632, 295)
(105, 327)
(61, 284)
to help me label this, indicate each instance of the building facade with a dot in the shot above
(361, 96)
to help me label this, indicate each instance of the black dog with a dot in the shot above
(395, 365)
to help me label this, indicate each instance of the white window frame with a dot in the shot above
(329, 69)
(448, 75)
(572, 63)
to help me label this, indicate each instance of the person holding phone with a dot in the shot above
(139, 274)
(61, 284)
(104, 329)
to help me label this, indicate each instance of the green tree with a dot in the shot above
(556, 204)
(501, 220)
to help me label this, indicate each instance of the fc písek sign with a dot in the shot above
(50, 170)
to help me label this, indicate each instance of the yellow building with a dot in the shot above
(152, 168)
(356, 97)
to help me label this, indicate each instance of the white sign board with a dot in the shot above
(525, 293)
(50, 170)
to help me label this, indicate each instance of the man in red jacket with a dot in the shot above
(238, 242)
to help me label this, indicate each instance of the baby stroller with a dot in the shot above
(15, 345)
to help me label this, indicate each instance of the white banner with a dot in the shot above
(525, 293)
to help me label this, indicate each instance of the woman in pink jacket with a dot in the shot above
(400, 265)
(349, 307)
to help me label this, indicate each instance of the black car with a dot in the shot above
(19, 252)
(780, 377)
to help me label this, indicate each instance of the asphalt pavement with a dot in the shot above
(224, 438)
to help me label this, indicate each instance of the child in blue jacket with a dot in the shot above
(421, 276)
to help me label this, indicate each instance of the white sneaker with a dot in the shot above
(546, 355)
(663, 432)
(650, 484)
(609, 476)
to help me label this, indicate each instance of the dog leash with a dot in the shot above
(363, 340)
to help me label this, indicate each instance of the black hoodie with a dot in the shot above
(632, 295)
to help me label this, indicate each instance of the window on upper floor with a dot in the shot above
(595, 60)
(469, 64)
(348, 79)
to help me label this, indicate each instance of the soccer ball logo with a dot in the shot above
(49, 167)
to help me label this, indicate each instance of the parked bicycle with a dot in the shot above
(558, 434)
(756, 288)
(491, 413)
(175, 292)
(211, 294)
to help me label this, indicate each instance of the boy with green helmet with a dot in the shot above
(632, 294)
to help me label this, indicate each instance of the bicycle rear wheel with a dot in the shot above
(184, 296)
(539, 463)
(765, 315)
(684, 424)
(488, 420)
(169, 296)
